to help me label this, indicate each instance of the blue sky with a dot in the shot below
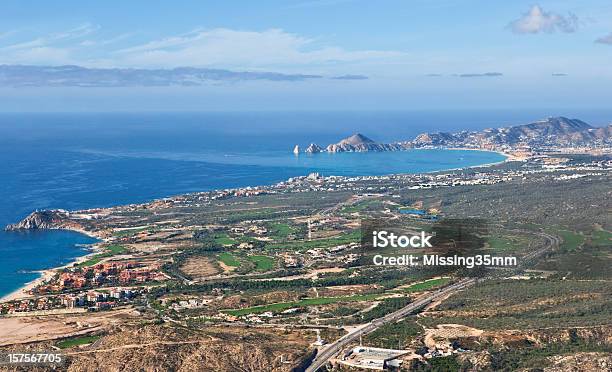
(416, 53)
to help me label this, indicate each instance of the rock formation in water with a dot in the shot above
(48, 219)
(313, 148)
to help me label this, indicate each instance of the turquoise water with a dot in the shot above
(82, 161)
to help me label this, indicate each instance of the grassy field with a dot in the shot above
(601, 237)
(229, 259)
(262, 263)
(506, 243)
(571, 240)
(224, 239)
(111, 250)
(281, 230)
(129, 232)
(77, 341)
(353, 236)
(277, 307)
(426, 285)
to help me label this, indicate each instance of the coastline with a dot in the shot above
(507, 157)
(48, 273)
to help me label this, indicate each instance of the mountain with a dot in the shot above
(360, 143)
(77, 76)
(554, 131)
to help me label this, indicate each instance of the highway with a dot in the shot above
(332, 349)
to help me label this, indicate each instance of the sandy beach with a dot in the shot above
(47, 274)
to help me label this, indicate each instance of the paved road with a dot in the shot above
(332, 349)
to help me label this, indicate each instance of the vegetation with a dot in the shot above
(301, 246)
(229, 259)
(534, 303)
(262, 263)
(427, 285)
(129, 232)
(439, 364)
(278, 307)
(111, 250)
(536, 357)
(388, 305)
(601, 238)
(394, 335)
(281, 231)
(224, 239)
(77, 341)
(571, 240)
(499, 242)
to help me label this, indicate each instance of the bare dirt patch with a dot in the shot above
(200, 267)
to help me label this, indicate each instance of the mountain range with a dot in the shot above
(550, 132)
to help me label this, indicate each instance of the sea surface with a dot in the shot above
(76, 161)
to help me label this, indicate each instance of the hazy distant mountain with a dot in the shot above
(20, 75)
(554, 131)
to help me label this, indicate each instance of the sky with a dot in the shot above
(356, 55)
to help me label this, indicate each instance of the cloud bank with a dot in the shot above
(270, 49)
(350, 77)
(484, 74)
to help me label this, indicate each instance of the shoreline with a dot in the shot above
(48, 273)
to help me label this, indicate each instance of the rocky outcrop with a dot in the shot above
(313, 148)
(360, 143)
(48, 219)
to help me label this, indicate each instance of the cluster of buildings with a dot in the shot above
(91, 301)
(345, 253)
(190, 303)
(28, 305)
(441, 349)
(95, 300)
(373, 358)
(100, 275)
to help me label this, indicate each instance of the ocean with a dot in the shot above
(83, 160)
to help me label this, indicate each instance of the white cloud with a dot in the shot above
(55, 48)
(245, 49)
(112, 40)
(605, 39)
(537, 20)
(266, 50)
